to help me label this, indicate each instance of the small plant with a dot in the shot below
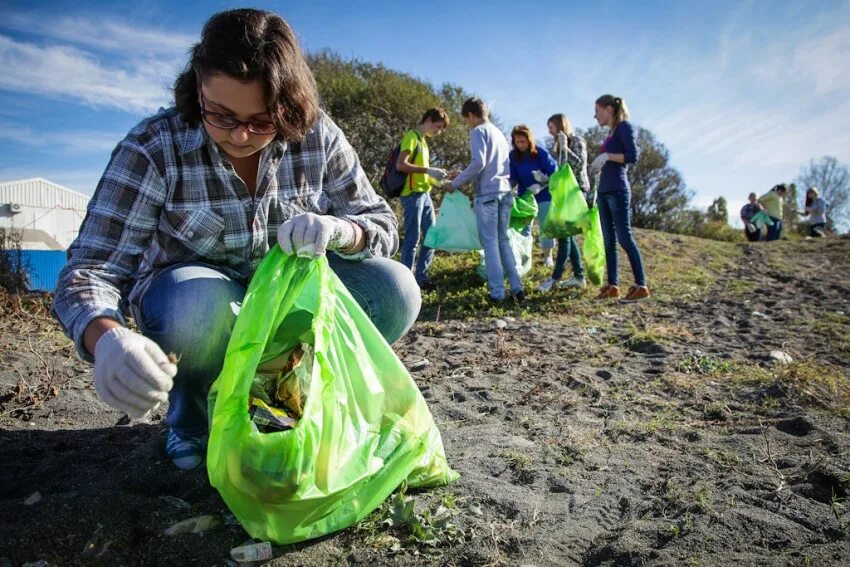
(397, 525)
(705, 365)
(517, 460)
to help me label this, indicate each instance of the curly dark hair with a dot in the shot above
(249, 44)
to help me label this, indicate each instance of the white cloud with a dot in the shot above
(63, 72)
(63, 142)
(104, 35)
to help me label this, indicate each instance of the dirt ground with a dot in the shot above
(654, 434)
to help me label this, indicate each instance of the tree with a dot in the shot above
(718, 211)
(832, 179)
(374, 106)
(658, 190)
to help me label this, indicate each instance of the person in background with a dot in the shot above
(191, 202)
(570, 149)
(416, 203)
(772, 203)
(815, 209)
(748, 211)
(614, 196)
(528, 159)
(489, 173)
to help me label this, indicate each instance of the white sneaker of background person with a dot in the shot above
(547, 285)
(131, 373)
(576, 283)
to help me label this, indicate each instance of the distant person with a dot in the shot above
(489, 173)
(772, 203)
(416, 203)
(572, 149)
(815, 209)
(527, 158)
(615, 194)
(748, 211)
(191, 202)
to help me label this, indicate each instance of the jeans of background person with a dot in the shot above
(190, 309)
(614, 216)
(542, 211)
(568, 247)
(418, 211)
(775, 231)
(753, 236)
(493, 215)
(817, 229)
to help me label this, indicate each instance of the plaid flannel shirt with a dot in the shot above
(169, 196)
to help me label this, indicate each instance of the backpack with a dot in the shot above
(392, 181)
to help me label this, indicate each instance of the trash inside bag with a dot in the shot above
(341, 424)
(455, 229)
(523, 211)
(568, 209)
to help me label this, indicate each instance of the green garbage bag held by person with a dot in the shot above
(523, 211)
(456, 229)
(568, 209)
(761, 219)
(364, 429)
(593, 247)
(521, 245)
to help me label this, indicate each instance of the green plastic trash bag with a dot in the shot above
(456, 229)
(593, 247)
(365, 427)
(521, 247)
(569, 207)
(761, 219)
(523, 211)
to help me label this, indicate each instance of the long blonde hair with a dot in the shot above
(621, 111)
(562, 124)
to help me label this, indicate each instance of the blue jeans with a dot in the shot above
(568, 247)
(775, 231)
(614, 215)
(190, 309)
(493, 215)
(418, 218)
(542, 211)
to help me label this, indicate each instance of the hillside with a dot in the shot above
(585, 433)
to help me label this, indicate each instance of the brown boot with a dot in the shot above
(608, 292)
(636, 293)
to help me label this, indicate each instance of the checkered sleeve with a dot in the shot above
(352, 197)
(120, 220)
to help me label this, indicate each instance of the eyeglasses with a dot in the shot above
(227, 122)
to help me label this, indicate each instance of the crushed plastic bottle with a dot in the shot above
(254, 552)
(97, 543)
(194, 525)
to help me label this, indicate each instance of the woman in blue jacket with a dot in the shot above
(526, 159)
(614, 196)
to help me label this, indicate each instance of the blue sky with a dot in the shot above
(742, 93)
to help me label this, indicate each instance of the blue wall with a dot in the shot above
(44, 267)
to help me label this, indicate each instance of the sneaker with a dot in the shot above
(576, 283)
(426, 285)
(186, 453)
(546, 286)
(636, 293)
(609, 292)
(548, 261)
(518, 297)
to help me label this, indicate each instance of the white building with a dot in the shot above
(47, 215)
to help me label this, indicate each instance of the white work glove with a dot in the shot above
(600, 160)
(535, 188)
(437, 173)
(310, 235)
(539, 176)
(131, 373)
(562, 139)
